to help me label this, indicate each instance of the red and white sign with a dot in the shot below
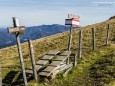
(72, 22)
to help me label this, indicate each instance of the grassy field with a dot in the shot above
(96, 68)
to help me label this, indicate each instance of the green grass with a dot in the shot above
(81, 75)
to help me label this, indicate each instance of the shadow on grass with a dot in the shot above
(15, 78)
(103, 71)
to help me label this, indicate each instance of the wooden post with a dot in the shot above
(107, 36)
(93, 38)
(33, 60)
(0, 76)
(70, 39)
(16, 24)
(75, 59)
(69, 43)
(80, 44)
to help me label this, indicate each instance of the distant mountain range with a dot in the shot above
(34, 32)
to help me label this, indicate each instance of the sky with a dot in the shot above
(40, 12)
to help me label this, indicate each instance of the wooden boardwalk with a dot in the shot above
(46, 59)
(55, 64)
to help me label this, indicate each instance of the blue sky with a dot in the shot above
(39, 12)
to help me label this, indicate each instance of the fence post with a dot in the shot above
(33, 60)
(70, 39)
(75, 59)
(93, 38)
(107, 36)
(80, 44)
(0, 75)
(16, 24)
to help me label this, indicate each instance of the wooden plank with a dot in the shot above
(42, 62)
(49, 69)
(53, 52)
(73, 16)
(47, 57)
(44, 74)
(61, 68)
(55, 63)
(29, 71)
(16, 29)
(38, 67)
(61, 58)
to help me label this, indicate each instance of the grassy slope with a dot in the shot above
(84, 73)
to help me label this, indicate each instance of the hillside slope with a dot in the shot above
(77, 76)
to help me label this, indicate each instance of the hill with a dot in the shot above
(33, 32)
(96, 68)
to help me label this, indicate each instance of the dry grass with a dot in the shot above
(10, 59)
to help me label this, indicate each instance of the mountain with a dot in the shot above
(34, 32)
(95, 68)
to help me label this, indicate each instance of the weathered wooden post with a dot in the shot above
(33, 60)
(107, 36)
(80, 44)
(75, 59)
(18, 30)
(70, 39)
(93, 38)
(0, 75)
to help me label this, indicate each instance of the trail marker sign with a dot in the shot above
(16, 29)
(72, 22)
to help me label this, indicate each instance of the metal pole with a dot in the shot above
(70, 39)
(33, 60)
(80, 44)
(93, 38)
(15, 22)
(107, 37)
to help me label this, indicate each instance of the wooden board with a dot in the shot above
(73, 16)
(16, 29)
(29, 71)
(55, 63)
(42, 62)
(53, 52)
(61, 58)
(44, 74)
(49, 69)
(47, 57)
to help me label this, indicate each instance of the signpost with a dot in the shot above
(72, 21)
(16, 30)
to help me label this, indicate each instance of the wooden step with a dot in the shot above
(49, 69)
(43, 61)
(54, 65)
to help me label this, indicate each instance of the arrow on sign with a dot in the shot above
(73, 16)
(19, 29)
